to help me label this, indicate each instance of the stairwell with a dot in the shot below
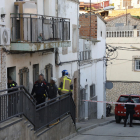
(22, 119)
(21, 129)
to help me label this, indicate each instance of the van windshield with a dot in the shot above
(123, 99)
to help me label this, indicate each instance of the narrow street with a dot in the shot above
(112, 131)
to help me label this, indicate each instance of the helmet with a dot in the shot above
(54, 79)
(64, 72)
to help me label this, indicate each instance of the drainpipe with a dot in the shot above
(78, 65)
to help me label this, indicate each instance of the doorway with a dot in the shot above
(86, 103)
(49, 72)
(35, 72)
(24, 77)
(11, 71)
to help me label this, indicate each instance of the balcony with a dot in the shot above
(85, 55)
(120, 28)
(31, 32)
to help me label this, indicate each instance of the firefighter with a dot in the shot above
(65, 83)
(11, 83)
(40, 90)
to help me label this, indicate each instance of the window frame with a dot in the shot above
(136, 65)
(94, 91)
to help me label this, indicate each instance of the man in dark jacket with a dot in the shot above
(40, 90)
(52, 89)
(129, 111)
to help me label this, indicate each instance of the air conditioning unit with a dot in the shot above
(4, 36)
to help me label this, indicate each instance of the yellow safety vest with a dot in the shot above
(66, 85)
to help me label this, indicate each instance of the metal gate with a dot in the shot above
(81, 106)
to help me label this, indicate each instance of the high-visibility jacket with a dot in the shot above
(65, 85)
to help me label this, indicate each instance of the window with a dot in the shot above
(101, 33)
(119, 24)
(35, 72)
(92, 91)
(125, 98)
(137, 64)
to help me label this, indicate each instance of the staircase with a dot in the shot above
(35, 120)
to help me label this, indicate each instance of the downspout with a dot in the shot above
(78, 64)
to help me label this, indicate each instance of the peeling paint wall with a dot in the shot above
(28, 60)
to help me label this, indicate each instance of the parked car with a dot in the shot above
(108, 110)
(120, 109)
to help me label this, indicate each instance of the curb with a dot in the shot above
(87, 128)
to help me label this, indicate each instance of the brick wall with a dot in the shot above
(84, 21)
(122, 19)
(120, 88)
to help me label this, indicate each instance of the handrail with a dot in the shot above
(36, 15)
(54, 99)
(16, 88)
(19, 103)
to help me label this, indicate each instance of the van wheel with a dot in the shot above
(118, 120)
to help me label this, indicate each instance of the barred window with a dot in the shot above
(137, 64)
(92, 91)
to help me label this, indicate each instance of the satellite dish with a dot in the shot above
(109, 85)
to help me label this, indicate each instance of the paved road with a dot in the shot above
(112, 131)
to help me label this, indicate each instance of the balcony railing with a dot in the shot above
(39, 28)
(85, 55)
(120, 34)
(120, 28)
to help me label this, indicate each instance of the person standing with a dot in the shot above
(11, 84)
(129, 111)
(65, 83)
(52, 89)
(40, 90)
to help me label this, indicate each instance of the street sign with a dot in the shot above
(109, 85)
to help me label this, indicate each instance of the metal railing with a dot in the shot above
(122, 28)
(120, 34)
(39, 28)
(20, 102)
(85, 55)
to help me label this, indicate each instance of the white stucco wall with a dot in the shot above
(68, 9)
(28, 60)
(122, 70)
(95, 73)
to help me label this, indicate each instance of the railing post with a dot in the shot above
(0, 109)
(53, 27)
(62, 29)
(42, 29)
(69, 30)
(31, 27)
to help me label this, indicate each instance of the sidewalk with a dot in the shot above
(90, 124)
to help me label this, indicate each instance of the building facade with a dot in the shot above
(123, 4)
(43, 38)
(123, 67)
(92, 66)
